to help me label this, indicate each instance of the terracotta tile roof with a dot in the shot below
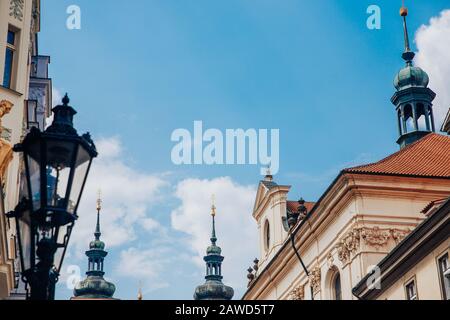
(428, 157)
(292, 206)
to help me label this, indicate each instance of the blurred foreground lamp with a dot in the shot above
(57, 163)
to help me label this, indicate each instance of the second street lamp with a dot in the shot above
(57, 163)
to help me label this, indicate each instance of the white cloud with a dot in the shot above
(236, 228)
(434, 57)
(127, 196)
(146, 265)
(56, 97)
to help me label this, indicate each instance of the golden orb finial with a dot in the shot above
(403, 10)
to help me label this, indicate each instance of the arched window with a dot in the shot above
(337, 291)
(408, 118)
(267, 235)
(421, 117)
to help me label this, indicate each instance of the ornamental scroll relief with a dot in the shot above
(314, 279)
(16, 9)
(375, 237)
(298, 293)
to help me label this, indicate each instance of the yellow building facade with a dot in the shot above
(25, 100)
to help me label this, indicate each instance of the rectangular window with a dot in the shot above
(444, 275)
(11, 38)
(411, 290)
(9, 59)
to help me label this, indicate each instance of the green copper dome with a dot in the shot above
(94, 287)
(214, 250)
(411, 76)
(213, 290)
(97, 245)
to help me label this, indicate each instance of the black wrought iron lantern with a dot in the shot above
(57, 163)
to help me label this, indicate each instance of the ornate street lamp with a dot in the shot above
(57, 163)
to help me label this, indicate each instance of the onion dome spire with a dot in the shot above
(95, 286)
(407, 55)
(413, 99)
(213, 289)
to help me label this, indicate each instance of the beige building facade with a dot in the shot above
(418, 268)
(25, 100)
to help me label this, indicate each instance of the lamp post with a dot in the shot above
(57, 163)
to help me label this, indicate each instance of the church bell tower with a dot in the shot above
(213, 288)
(413, 99)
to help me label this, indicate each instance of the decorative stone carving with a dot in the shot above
(348, 244)
(298, 293)
(16, 9)
(314, 279)
(330, 260)
(34, 27)
(398, 235)
(375, 236)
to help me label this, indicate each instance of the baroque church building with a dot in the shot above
(380, 231)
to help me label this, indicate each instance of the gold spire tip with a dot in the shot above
(140, 296)
(99, 200)
(403, 10)
(213, 206)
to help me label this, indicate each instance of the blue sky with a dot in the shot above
(137, 71)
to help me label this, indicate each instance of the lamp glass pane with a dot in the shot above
(24, 229)
(81, 169)
(64, 232)
(60, 153)
(59, 158)
(35, 182)
(57, 180)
